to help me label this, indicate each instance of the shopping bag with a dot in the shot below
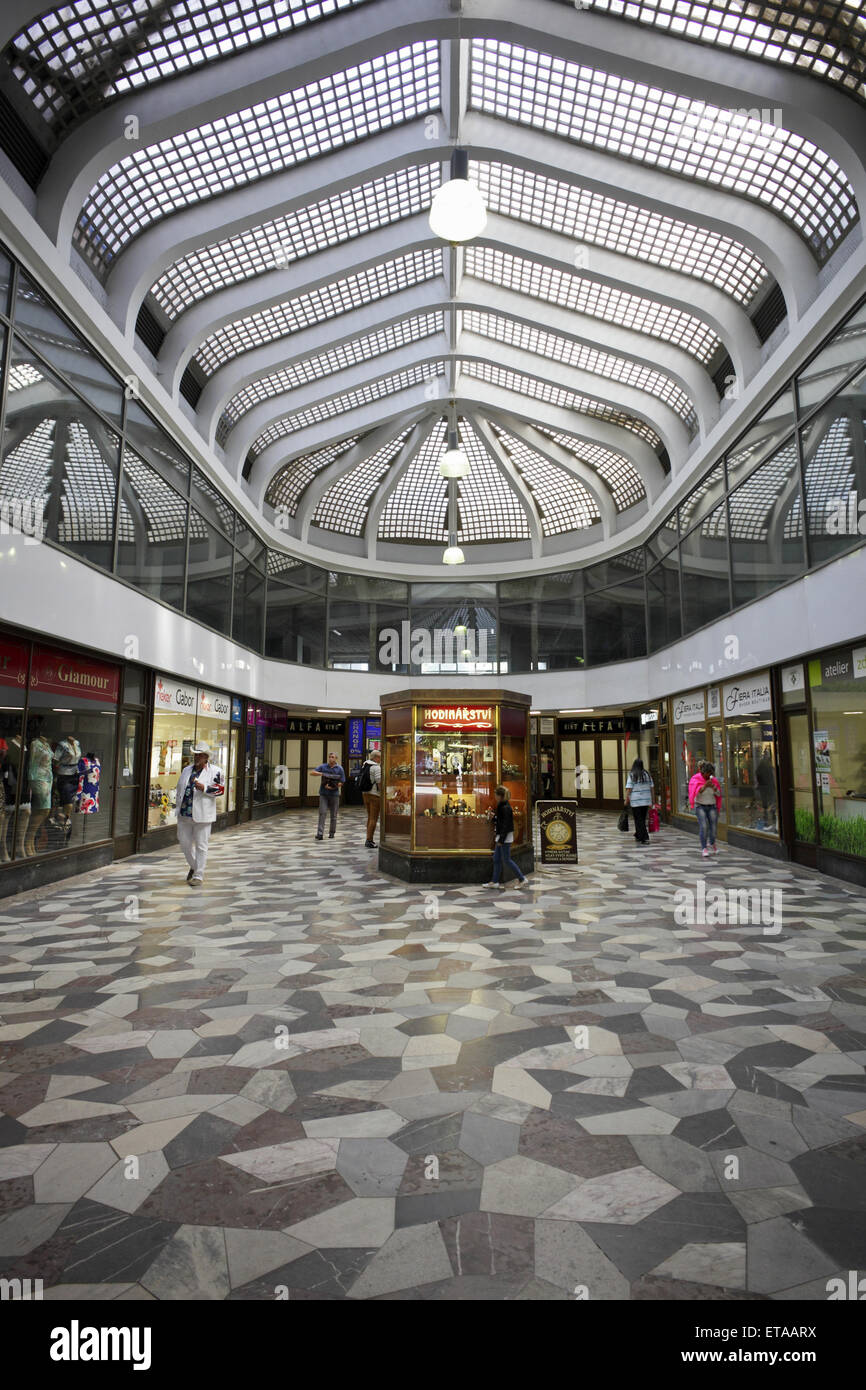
(653, 820)
(622, 823)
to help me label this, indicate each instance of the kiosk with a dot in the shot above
(444, 753)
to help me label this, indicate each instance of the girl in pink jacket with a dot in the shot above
(705, 798)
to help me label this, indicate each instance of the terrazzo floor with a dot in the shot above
(307, 1080)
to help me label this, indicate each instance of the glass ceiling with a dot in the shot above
(77, 58)
(628, 228)
(605, 364)
(826, 40)
(73, 59)
(558, 395)
(279, 243)
(316, 306)
(250, 144)
(324, 364)
(586, 296)
(672, 133)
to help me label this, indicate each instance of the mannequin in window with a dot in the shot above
(66, 758)
(40, 776)
(15, 772)
(7, 798)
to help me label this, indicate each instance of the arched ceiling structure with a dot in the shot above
(668, 182)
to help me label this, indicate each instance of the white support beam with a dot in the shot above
(211, 91)
(588, 428)
(511, 474)
(658, 355)
(628, 399)
(325, 479)
(324, 432)
(149, 255)
(554, 453)
(429, 351)
(388, 484)
(248, 297)
(780, 247)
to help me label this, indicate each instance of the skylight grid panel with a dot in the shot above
(563, 501)
(821, 40)
(24, 470)
(89, 489)
(608, 365)
(751, 505)
(673, 133)
(285, 488)
(344, 507)
(488, 508)
(327, 302)
(417, 508)
(630, 229)
(164, 510)
(338, 405)
(830, 473)
(582, 295)
(325, 364)
(620, 475)
(260, 140)
(559, 396)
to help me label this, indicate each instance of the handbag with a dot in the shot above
(622, 823)
(653, 820)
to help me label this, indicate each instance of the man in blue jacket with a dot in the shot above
(333, 777)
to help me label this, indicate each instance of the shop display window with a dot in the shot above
(13, 761)
(455, 775)
(397, 779)
(66, 773)
(690, 745)
(183, 716)
(752, 801)
(839, 748)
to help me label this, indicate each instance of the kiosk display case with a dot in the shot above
(444, 755)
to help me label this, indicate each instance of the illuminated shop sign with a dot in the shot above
(748, 696)
(13, 663)
(212, 705)
(458, 717)
(57, 674)
(690, 709)
(171, 696)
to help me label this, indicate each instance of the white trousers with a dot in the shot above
(193, 837)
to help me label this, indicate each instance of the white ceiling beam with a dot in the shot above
(388, 484)
(655, 353)
(325, 479)
(141, 263)
(588, 428)
(278, 286)
(320, 392)
(780, 247)
(554, 453)
(324, 432)
(213, 90)
(514, 480)
(641, 405)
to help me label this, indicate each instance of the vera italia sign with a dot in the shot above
(55, 673)
(457, 717)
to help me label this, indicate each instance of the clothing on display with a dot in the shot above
(87, 795)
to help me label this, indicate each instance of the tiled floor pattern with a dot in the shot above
(309, 1081)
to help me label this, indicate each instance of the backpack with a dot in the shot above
(365, 781)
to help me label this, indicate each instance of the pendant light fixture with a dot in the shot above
(453, 463)
(458, 213)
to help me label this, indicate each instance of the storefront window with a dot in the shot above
(455, 775)
(14, 660)
(752, 801)
(68, 773)
(690, 743)
(174, 718)
(397, 806)
(838, 682)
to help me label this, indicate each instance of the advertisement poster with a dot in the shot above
(822, 751)
(558, 825)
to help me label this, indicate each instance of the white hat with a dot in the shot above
(202, 748)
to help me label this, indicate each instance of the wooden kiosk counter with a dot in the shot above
(444, 753)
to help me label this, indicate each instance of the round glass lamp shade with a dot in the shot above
(454, 464)
(457, 212)
(453, 556)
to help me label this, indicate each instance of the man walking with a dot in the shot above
(370, 783)
(198, 787)
(333, 777)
